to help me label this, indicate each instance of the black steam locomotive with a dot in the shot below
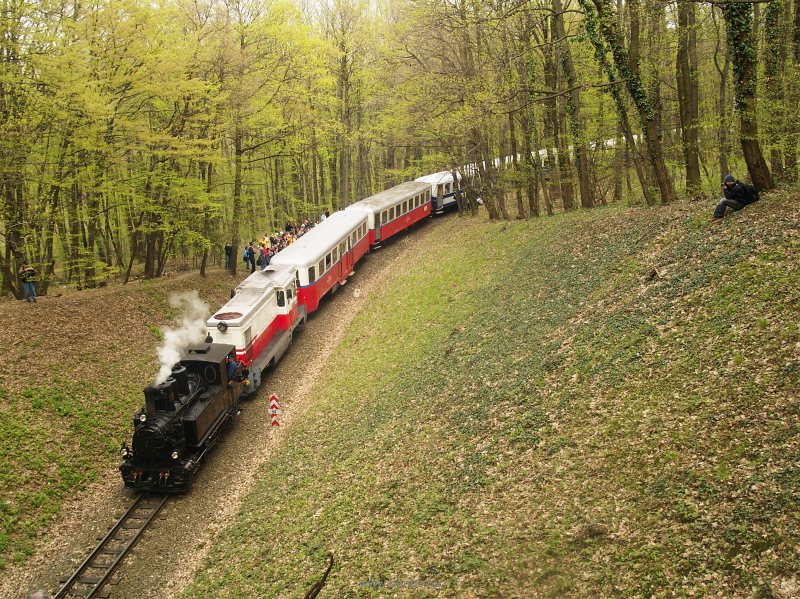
(182, 418)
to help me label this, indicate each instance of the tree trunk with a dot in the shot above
(609, 31)
(738, 19)
(591, 24)
(208, 170)
(688, 98)
(237, 198)
(512, 136)
(577, 128)
(774, 58)
(722, 105)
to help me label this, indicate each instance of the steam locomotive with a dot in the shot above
(182, 418)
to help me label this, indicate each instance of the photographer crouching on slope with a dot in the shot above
(737, 196)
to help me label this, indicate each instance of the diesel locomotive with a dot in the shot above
(182, 418)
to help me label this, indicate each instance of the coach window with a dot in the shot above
(335, 255)
(290, 292)
(328, 260)
(312, 274)
(281, 298)
(247, 337)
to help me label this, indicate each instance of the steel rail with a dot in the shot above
(95, 585)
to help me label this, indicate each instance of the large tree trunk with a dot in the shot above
(739, 20)
(688, 98)
(774, 59)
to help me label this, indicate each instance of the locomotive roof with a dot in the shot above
(207, 352)
(279, 275)
(312, 246)
(241, 305)
(389, 197)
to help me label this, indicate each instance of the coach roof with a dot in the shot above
(389, 197)
(440, 177)
(312, 246)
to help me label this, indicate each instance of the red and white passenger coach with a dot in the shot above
(394, 210)
(326, 255)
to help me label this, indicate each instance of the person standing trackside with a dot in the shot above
(228, 254)
(27, 275)
(252, 256)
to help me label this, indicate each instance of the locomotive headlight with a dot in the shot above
(124, 452)
(174, 455)
(222, 326)
(142, 417)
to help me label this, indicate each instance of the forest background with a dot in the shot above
(136, 135)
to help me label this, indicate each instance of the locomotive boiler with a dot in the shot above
(182, 418)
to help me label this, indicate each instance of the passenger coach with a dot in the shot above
(394, 210)
(442, 190)
(326, 255)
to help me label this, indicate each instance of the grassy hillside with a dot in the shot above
(597, 404)
(71, 378)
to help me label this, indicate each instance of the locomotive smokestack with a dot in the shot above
(181, 379)
(160, 398)
(151, 398)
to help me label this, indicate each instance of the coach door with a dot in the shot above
(380, 218)
(347, 258)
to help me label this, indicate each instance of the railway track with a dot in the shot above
(98, 568)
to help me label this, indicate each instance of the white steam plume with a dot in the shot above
(191, 330)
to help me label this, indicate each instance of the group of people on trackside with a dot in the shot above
(259, 253)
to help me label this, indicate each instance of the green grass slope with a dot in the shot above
(597, 404)
(71, 378)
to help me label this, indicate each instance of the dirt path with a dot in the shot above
(189, 525)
